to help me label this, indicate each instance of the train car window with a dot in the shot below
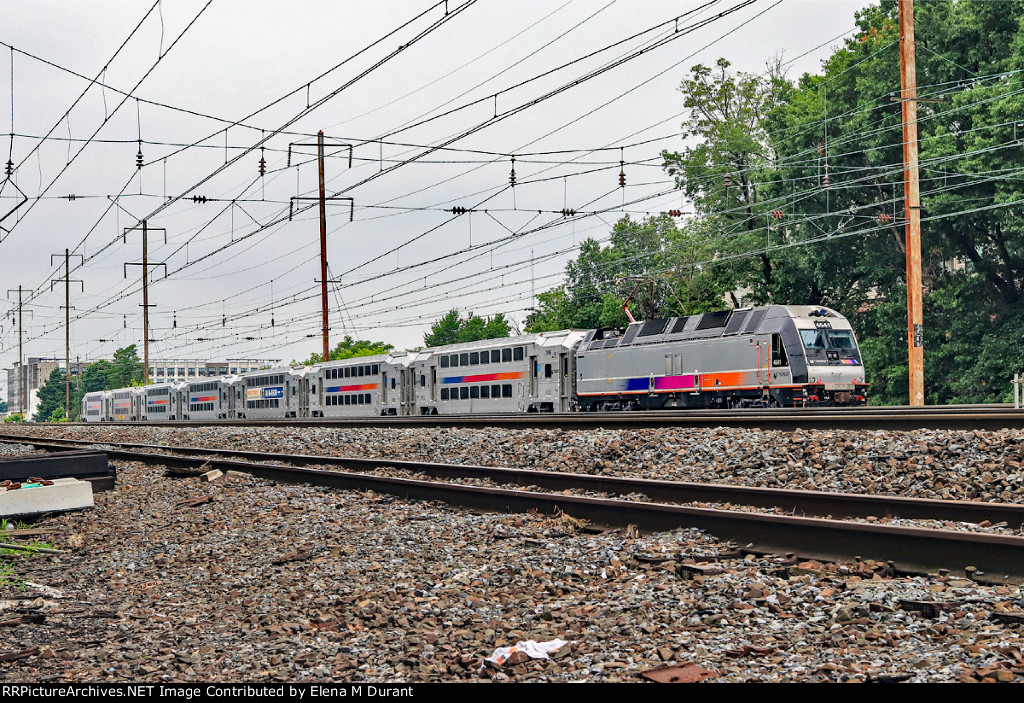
(485, 391)
(375, 369)
(464, 393)
(464, 359)
(444, 362)
(368, 399)
(517, 354)
(495, 356)
(474, 358)
(506, 354)
(547, 370)
(841, 339)
(779, 357)
(496, 391)
(444, 394)
(506, 390)
(423, 381)
(392, 384)
(813, 339)
(474, 392)
(454, 359)
(361, 370)
(348, 400)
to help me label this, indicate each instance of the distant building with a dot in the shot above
(33, 374)
(37, 370)
(189, 369)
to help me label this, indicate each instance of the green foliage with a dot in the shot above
(454, 329)
(16, 417)
(666, 264)
(840, 241)
(57, 415)
(50, 397)
(3, 406)
(348, 348)
(126, 369)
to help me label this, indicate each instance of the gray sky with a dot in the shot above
(238, 57)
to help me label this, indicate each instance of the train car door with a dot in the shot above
(564, 383)
(304, 397)
(407, 379)
(231, 402)
(533, 376)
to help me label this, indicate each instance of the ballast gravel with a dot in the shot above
(241, 579)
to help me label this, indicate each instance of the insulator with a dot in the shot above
(271, 322)
(263, 167)
(9, 168)
(250, 339)
(622, 174)
(224, 322)
(821, 148)
(457, 210)
(199, 198)
(71, 196)
(675, 213)
(138, 157)
(825, 180)
(569, 212)
(174, 325)
(727, 181)
(778, 214)
(885, 217)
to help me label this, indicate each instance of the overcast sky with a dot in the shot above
(404, 259)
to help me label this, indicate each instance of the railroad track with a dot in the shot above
(975, 417)
(912, 549)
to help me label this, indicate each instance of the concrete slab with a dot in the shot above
(64, 494)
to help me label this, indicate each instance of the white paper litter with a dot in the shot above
(532, 648)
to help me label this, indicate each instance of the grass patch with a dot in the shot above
(9, 577)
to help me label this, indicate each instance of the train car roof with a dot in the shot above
(720, 323)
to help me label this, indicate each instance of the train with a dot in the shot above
(766, 356)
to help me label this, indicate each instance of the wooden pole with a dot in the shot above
(67, 335)
(145, 303)
(323, 242)
(912, 202)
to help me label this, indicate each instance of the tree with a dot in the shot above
(347, 349)
(3, 406)
(126, 368)
(94, 377)
(812, 211)
(670, 267)
(50, 396)
(454, 329)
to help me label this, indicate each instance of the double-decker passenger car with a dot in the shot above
(775, 355)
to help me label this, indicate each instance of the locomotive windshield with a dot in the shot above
(828, 339)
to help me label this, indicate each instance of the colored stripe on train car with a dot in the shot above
(484, 377)
(345, 389)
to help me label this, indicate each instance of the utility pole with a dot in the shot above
(145, 290)
(67, 325)
(912, 202)
(324, 328)
(22, 397)
(323, 242)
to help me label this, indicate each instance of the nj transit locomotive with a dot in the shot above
(771, 356)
